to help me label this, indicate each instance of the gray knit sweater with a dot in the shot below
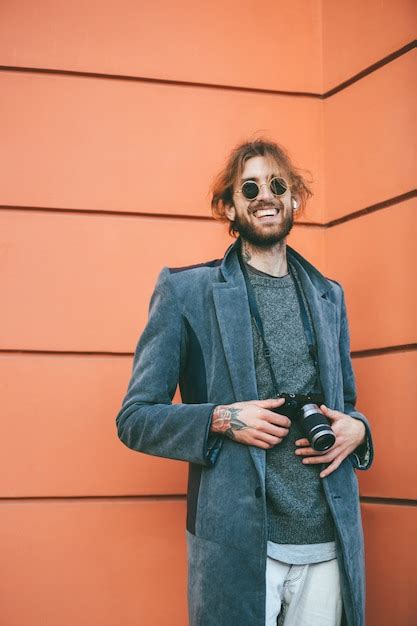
(296, 506)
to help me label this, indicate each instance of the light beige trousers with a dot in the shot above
(303, 595)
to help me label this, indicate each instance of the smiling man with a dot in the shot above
(259, 345)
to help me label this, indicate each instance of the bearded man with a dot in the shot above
(258, 343)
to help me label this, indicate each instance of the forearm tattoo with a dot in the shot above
(225, 420)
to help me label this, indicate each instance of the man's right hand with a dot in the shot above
(252, 422)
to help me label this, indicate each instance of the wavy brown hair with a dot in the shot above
(222, 187)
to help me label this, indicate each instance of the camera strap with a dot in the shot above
(253, 306)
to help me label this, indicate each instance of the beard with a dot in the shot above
(263, 237)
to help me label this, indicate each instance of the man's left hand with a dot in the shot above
(349, 433)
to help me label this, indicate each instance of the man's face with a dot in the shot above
(267, 219)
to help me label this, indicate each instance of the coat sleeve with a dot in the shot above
(148, 421)
(363, 456)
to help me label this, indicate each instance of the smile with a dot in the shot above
(271, 212)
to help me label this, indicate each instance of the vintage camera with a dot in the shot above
(314, 424)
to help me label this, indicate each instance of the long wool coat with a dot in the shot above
(199, 336)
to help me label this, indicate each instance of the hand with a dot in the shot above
(349, 433)
(251, 423)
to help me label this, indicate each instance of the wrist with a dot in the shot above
(220, 419)
(361, 432)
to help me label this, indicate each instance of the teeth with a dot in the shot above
(264, 212)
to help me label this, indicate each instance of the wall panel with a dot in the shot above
(373, 257)
(93, 562)
(369, 149)
(59, 435)
(357, 34)
(232, 43)
(81, 282)
(121, 146)
(387, 394)
(391, 545)
(88, 278)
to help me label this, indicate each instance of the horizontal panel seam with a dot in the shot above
(157, 81)
(103, 212)
(86, 353)
(371, 69)
(182, 83)
(384, 204)
(410, 347)
(168, 497)
(359, 354)
(192, 218)
(389, 501)
(144, 498)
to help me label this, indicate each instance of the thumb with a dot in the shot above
(330, 413)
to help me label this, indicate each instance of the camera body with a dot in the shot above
(314, 423)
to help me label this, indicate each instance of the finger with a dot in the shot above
(307, 451)
(249, 440)
(327, 457)
(330, 413)
(331, 468)
(271, 429)
(269, 439)
(261, 444)
(302, 442)
(276, 418)
(270, 403)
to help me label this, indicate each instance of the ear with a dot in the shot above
(295, 203)
(230, 212)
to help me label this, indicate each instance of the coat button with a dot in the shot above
(258, 492)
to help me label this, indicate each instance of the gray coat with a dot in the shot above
(199, 336)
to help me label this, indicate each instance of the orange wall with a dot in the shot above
(358, 34)
(105, 167)
(229, 43)
(369, 171)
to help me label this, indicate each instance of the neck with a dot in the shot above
(271, 260)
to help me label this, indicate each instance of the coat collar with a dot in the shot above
(231, 271)
(233, 314)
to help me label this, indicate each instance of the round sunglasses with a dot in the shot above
(250, 189)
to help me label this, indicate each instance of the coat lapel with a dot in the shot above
(233, 315)
(324, 316)
(234, 320)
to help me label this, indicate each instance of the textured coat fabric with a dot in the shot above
(199, 336)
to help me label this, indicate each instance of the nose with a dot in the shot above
(265, 192)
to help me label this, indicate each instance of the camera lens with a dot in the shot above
(323, 441)
(316, 428)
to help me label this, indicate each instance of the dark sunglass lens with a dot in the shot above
(278, 186)
(250, 190)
